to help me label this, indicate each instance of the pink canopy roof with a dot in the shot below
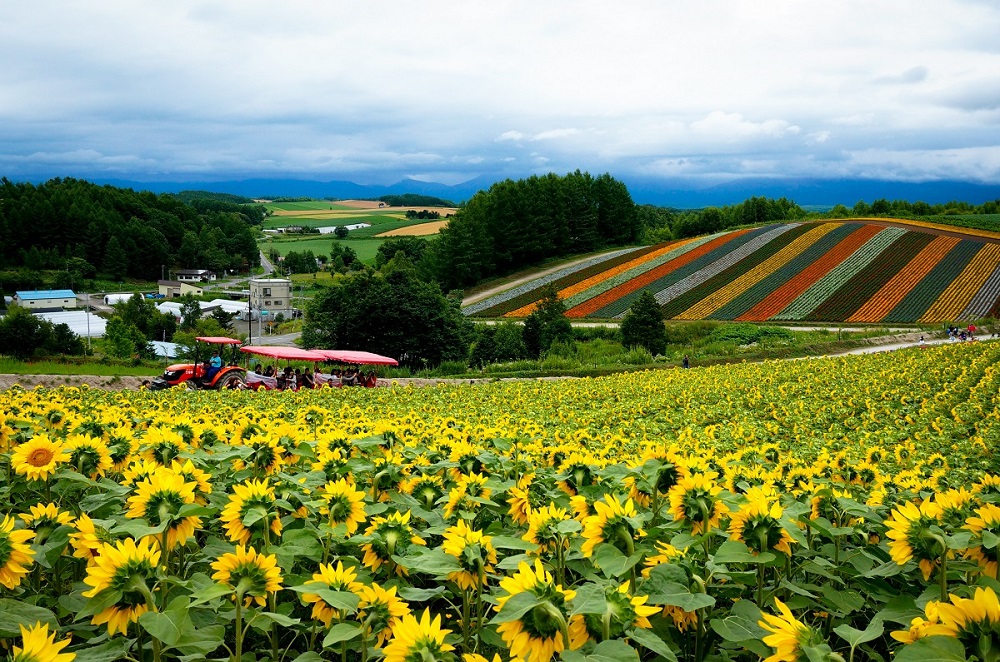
(219, 340)
(290, 353)
(362, 358)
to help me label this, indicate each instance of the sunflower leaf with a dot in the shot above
(341, 632)
(653, 642)
(733, 551)
(741, 623)
(280, 619)
(209, 593)
(856, 637)
(430, 562)
(169, 625)
(14, 613)
(100, 602)
(115, 649)
(938, 648)
(590, 599)
(612, 562)
(517, 606)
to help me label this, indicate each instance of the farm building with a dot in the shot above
(330, 229)
(80, 322)
(171, 289)
(195, 275)
(45, 299)
(117, 297)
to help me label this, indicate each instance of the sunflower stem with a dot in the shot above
(239, 628)
(273, 599)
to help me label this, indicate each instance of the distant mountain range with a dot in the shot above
(669, 193)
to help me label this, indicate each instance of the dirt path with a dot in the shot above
(874, 345)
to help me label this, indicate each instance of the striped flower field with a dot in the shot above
(867, 271)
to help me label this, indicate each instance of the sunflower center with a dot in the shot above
(40, 457)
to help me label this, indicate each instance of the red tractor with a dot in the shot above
(201, 374)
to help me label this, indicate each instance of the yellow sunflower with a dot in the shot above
(251, 495)
(251, 575)
(542, 529)
(15, 553)
(88, 455)
(158, 500)
(162, 445)
(475, 553)
(38, 458)
(333, 579)
(39, 645)
(987, 518)
(426, 489)
(391, 535)
(88, 539)
(788, 635)
(345, 504)
(382, 610)
(973, 621)
(695, 500)
(622, 612)
(43, 519)
(909, 528)
(128, 568)
(757, 524)
(419, 640)
(191, 474)
(265, 460)
(536, 635)
(472, 485)
(139, 470)
(610, 524)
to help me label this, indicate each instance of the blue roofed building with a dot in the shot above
(45, 299)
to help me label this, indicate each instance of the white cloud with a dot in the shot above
(331, 89)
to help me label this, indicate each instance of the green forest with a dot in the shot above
(84, 230)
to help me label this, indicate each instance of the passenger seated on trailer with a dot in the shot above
(306, 379)
(371, 380)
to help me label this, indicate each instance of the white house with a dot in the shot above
(195, 275)
(45, 299)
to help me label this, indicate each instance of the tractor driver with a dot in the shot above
(214, 365)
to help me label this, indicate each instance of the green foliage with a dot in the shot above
(123, 340)
(300, 263)
(395, 314)
(498, 343)
(341, 256)
(341, 232)
(547, 324)
(747, 334)
(143, 315)
(643, 326)
(190, 312)
(414, 200)
(516, 224)
(49, 226)
(21, 333)
(412, 247)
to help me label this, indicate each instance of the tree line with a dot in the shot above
(85, 230)
(516, 224)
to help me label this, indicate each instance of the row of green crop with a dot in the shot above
(795, 266)
(822, 289)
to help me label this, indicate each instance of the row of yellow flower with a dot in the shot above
(644, 511)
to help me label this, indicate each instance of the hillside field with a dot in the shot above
(857, 271)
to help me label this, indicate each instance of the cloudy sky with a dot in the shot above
(447, 91)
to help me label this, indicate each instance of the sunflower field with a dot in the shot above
(829, 509)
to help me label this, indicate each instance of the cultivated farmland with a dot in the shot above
(867, 270)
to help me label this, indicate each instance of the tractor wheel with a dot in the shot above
(191, 385)
(231, 382)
